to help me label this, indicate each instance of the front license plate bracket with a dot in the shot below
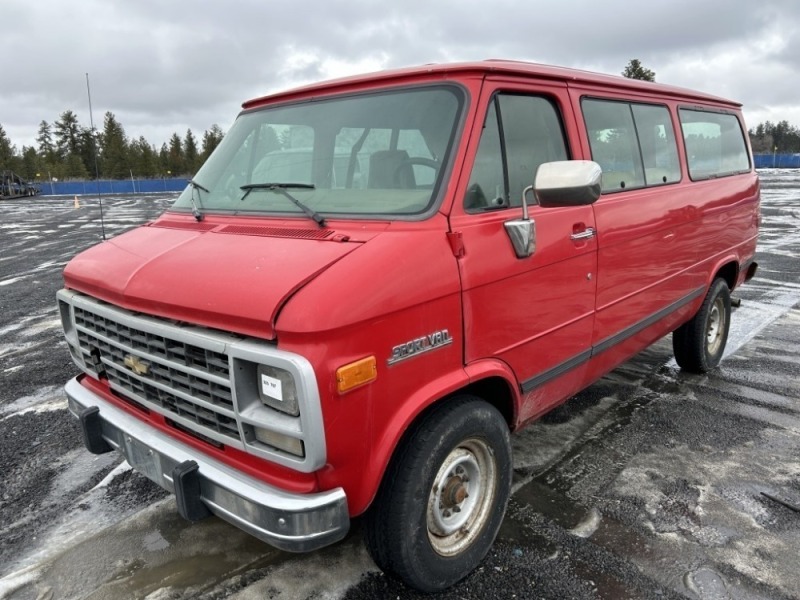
(143, 459)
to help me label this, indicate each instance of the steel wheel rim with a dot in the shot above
(716, 326)
(461, 498)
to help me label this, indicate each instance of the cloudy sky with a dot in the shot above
(167, 65)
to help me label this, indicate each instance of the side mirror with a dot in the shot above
(567, 183)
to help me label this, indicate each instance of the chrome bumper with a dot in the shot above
(292, 522)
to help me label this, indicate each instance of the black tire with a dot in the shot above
(412, 531)
(699, 343)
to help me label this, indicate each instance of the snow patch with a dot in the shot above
(326, 574)
(118, 470)
(5, 282)
(588, 525)
(45, 399)
(13, 582)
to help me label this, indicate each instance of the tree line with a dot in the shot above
(67, 150)
(769, 138)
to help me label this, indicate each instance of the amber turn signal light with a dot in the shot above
(356, 373)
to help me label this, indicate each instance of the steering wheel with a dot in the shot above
(411, 162)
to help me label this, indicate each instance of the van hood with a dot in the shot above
(230, 277)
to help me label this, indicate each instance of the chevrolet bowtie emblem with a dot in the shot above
(135, 364)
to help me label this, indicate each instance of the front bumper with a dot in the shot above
(293, 522)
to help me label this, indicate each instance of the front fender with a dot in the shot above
(386, 440)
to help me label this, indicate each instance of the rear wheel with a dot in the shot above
(443, 497)
(698, 344)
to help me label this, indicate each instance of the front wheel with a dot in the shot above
(699, 343)
(443, 496)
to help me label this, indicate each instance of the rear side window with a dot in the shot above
(714, 142)
(634, 144)
(657, 142)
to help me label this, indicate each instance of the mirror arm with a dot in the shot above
(525, 202)
(522, 232)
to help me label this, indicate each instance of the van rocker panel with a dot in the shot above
(291, 522)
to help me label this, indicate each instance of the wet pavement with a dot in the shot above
(650, 484)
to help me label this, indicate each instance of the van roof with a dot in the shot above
(494, 66)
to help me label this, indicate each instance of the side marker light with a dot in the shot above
(356, 374)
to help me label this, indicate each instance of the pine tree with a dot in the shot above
(67, 132)
(44, 141)
(88, 147)
(163, 160)
(175, 159)
(190, 154)
(635, 70)
(7, 152)
(211, 139)
(114, 149)
(30, 163)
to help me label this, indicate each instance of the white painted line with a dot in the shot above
(752, 317)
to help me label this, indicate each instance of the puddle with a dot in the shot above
(152, 550)
(707, 584)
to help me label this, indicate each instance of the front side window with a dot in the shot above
(520, 133)
(714, 142)
(382, 153)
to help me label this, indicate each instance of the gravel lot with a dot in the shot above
(649, 484)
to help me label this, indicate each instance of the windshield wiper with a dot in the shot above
(281, 189)
(196, 211)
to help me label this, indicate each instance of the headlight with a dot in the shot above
(277, 389)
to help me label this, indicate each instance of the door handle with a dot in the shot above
(586, 234)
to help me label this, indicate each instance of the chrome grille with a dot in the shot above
(176, 405)
(136, 339)
(180, 380)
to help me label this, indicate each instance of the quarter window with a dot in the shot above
(714, 142)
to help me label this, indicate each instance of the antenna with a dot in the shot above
(94, 153)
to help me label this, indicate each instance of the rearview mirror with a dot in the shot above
(567, 183)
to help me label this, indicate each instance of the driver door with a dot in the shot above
(535, 313)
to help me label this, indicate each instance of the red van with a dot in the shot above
(372, 282)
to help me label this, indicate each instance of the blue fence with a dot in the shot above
(777, 161)
(177, 184)
(111, 186)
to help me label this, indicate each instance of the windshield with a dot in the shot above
(374, 154)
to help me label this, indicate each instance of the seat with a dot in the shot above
(390, 169)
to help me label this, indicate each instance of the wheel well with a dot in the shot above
(495, 391)
(730, 273)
